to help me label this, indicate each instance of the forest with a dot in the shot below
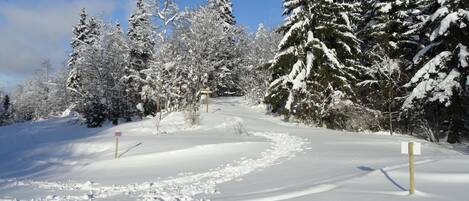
(400, 66)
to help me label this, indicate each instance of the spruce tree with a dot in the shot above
(94, 72)
(6, 103)
(225, 9)
(116, 59)
(314, 69)
(141, 46)
(79, 39)
(386, 45)
(5, 111)
(440, 84)
(224, 78)
(384, 29)
(255, 76)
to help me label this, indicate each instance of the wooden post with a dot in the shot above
(117, 134)
(207, 94)
(206, 102)
(390, 110)
(411, 168)
(117, 147)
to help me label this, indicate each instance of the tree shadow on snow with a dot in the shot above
(38, 148)
(368, 169)
(129, 149)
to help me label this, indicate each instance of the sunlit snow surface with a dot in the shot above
(236, 153)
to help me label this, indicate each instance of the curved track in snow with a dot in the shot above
(284, 146)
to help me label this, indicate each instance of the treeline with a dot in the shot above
(375, 65)
(355, 65)
(162, 62)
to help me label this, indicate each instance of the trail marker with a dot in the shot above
(411, 148)
(117, 134)
(207, 94)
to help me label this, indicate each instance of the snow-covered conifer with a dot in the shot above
(225, 9)
(255, 76)
(386, 44)
(158, 77)
(116, 59)
(5, 109)
(79, 39)
(314, 69)
(225, 76)
(141, 39)
(440, 83)
(385, 27)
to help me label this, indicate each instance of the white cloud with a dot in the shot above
(33, 30)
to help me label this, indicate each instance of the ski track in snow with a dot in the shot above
(184, 187)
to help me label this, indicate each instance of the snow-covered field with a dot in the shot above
(236, 153)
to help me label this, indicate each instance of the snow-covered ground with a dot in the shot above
(236, 153)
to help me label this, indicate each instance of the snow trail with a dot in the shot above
(186, 186)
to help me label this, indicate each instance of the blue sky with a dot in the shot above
(34, 30)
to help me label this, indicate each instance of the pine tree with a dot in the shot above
(224, 78)
(5, 111)
(386, 46)
(92, 100)
(440, 84)
(225, 9)
(79, 39)
(6, 103)
(158, 78)
(116, 59)
(314, 69)
(255, 76)
(386, 22)
(141, 43)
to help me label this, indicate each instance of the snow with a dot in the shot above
(431, 66)
(442, 85)
(346, 19)
(169, 66)
(463, 56)
(288, 104)
(439, 13)
(294, 28)
(59, 159)
(330, 55)
(446, 88)
(309, 62)
(445, 24)
(298, 75)
(386, 8)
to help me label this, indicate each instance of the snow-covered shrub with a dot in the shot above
(192, 117)
(336, 112)
(239, 128)
(94, 113)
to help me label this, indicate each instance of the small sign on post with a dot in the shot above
(117, 134)
(207, 93)
(411, 148)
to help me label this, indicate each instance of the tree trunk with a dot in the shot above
(456, 124)
(390, 110)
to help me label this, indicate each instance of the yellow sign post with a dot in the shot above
(411, 168)
(117, 134)
(411, 148)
